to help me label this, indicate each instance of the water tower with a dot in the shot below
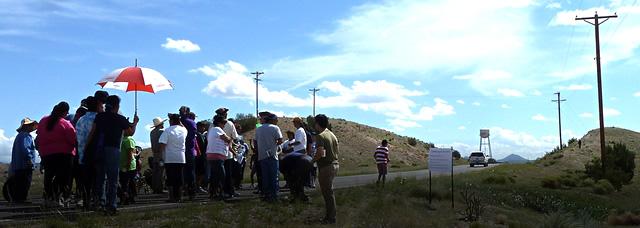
(485, 142)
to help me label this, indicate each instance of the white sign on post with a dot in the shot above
(440, 160)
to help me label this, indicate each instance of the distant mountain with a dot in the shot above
(514, 159)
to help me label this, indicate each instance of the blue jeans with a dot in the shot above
(108, 161)
(270, 186)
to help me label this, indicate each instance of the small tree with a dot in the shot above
(247, 122)
(572, 141)
(619, 164)
(456, 155)
(412, 141)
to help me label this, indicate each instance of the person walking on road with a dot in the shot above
(382, 159)
(327, 159)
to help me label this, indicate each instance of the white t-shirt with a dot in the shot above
(216, 144)
(174, 137)
(230, 130)
(301, 136)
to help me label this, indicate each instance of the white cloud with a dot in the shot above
(539, 117)
(402, 37)
(462, 128)
(505, 106)
(611, 112)
(554, 5)
(536, 93)
(460, 102)
(475, 103)
(586, 115)
(401, 124)
(508, 141)
(184, 46)
(6, 144)
(637, 94)
(417, 83)
(231, 80)
(576, 87)
(510, 93)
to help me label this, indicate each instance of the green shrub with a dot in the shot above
(551, 182)
(620, 165)
(456, 155)
(572, 141)
(499, 180)
(247, 122)
(603, 187)
(624, 219)
(568, 181)
(412, 141)
(558, 220)
(588, 182)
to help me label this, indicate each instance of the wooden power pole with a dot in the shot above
(257, 79)
(559, 117)
(314, 90)
(596, 23)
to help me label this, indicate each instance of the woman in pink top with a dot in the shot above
(56, 143)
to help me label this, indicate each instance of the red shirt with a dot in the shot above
(61, 139)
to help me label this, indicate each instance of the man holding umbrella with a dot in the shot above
(107, 130)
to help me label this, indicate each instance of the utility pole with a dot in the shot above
(314, 90)
(596, 24)
(559, 117)
(257, 79)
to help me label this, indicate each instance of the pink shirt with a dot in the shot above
(61, 139)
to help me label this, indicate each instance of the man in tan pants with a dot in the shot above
(327, 160)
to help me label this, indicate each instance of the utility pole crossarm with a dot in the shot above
(599, 17)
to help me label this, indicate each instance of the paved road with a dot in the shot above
(359, 180)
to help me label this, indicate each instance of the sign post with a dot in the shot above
(441, 162)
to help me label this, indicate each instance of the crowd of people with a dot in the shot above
(94, 151)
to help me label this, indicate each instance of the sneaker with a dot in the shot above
(201, 190)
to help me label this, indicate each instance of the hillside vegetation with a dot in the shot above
(574, 157)
(357, 143)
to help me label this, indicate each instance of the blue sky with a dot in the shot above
(435, 70)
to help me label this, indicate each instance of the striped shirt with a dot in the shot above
(382, 155)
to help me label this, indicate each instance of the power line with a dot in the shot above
(596, 24)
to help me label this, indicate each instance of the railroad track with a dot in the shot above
(29, 212)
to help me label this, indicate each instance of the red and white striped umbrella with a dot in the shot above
(135, 79)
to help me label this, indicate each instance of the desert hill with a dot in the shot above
(513, 159)
(574, 157)
(357, 143)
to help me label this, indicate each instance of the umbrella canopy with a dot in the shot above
(135, 79)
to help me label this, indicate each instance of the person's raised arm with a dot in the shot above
(134, 125)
